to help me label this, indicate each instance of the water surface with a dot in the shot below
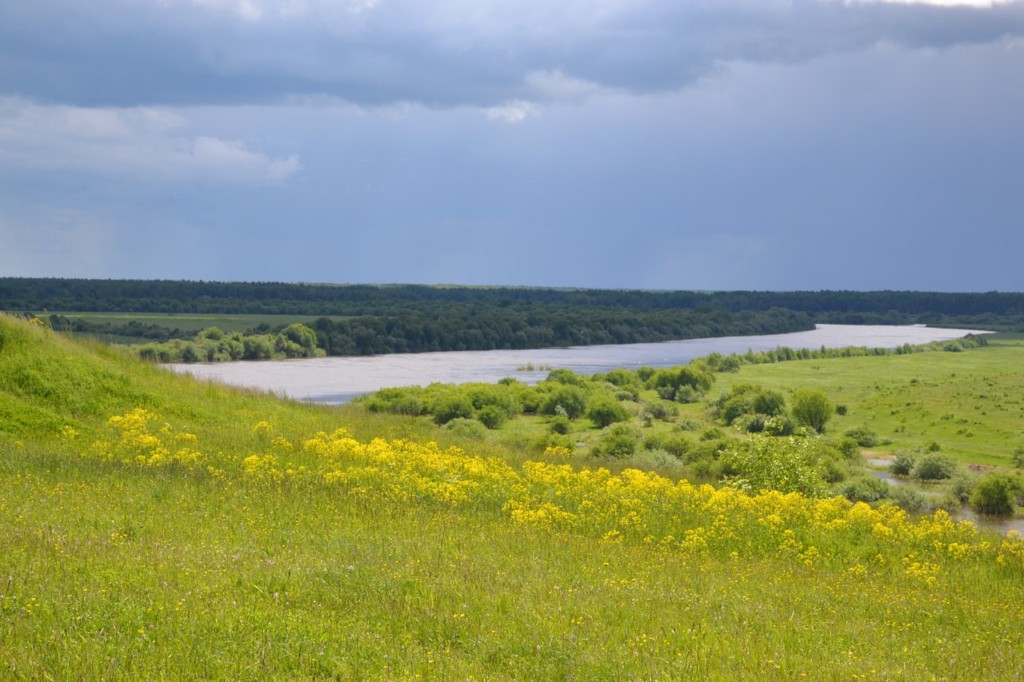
(338, 379)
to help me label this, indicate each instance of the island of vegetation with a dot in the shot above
(687, 523)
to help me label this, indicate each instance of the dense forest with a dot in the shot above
(166, 296)
(377, 319)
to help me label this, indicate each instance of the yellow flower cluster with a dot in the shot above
(136, 443)
(404, 471)
(632, 506)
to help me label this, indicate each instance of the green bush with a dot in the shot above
(865, 437)
(812, 408)
(492, 416)
(995, 494)
(453, 407)
(469, 428)
(902, 464)
(572, 400)
(779, 425)
(832, 469)
(746, 399)
(934, 467)
(908, 498)
(849, 447)
(620, 441)
(565, 376)
(865, 489)
(604, 412)
(783, 464)
(961, 486)
(560, 424)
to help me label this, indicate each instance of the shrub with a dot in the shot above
(604, 412)
(730, 364)
(961, 486)
(908, 499)
(779, 425)
(453, 407)
(865, 489)
(832, 470)
(786, 465)
(749, 399)
(560, 424)
(620, 441)
(848, 447)
(902, 465)
(468, 428)
(711, 434)
(491, 416)
(565, 376)
(661, 410)
(687, 394)
(688, 424)
(812, 408)
(933, 467)
(751, 423)
(994, 494)
(571, 399)
(865, 437)
(677, 446)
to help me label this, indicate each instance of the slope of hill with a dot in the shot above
(158, 528)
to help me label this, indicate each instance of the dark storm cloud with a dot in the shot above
(447, 53)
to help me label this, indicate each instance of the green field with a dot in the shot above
(970, 404)
(158, 527)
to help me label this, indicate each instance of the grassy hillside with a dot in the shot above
(155, 527)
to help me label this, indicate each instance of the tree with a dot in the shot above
(812, 408)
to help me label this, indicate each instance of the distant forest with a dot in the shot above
(414, 318)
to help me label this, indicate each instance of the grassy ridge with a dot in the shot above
(243, 545)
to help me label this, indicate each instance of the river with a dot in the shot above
(337, 380)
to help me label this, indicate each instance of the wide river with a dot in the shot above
(339, 379)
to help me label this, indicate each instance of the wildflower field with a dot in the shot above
(155, 527)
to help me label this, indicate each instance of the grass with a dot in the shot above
(346, 559)
(970, 404)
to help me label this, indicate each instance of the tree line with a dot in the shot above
(170, 296)
(378, 319)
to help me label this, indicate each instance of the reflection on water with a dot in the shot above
(336, 380)
(1000, 524)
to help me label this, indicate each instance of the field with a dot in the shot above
(156, 527)
(970, 404)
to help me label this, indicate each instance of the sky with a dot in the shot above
(643, 144)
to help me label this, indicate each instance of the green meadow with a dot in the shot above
(158, 527)
(970, 404)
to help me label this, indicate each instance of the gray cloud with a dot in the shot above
(447, 53)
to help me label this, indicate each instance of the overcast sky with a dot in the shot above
(669, 144)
